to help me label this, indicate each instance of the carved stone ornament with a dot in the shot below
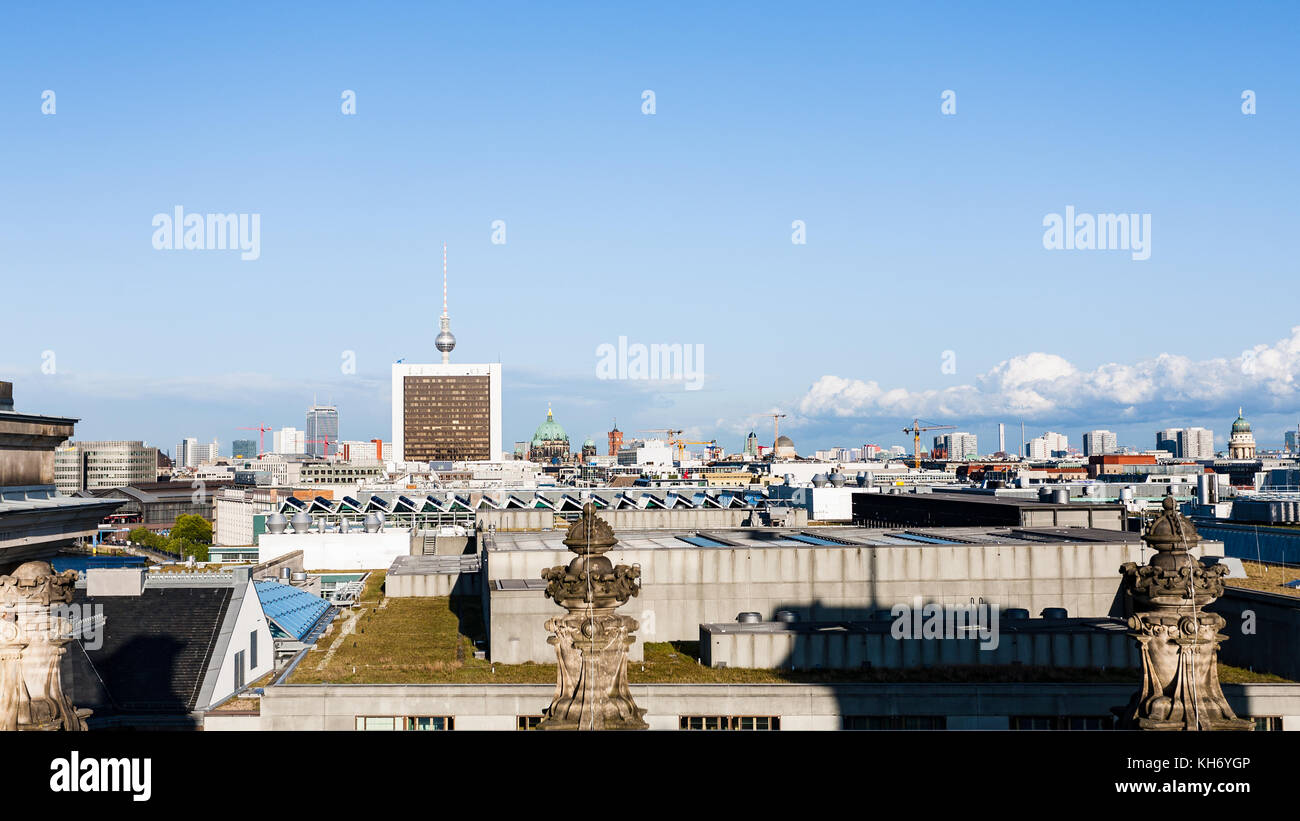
(1179, 641)
(591, 641)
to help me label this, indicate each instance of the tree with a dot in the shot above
(192, 528)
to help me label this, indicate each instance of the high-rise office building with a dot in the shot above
(1167, 440)
(99, 465)
(1195, 443)
(446, 412)
(322, 430)
(243, 449)
(1293, 441)
(1048, 446)
(185, 453)
(1002, 438)
(959, 445)
(1098, 442)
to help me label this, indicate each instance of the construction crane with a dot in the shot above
(776, 430)
(261, 437)
(672, 434)
(916, 430)
(711, 446)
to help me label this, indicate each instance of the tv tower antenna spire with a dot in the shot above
(445, 341)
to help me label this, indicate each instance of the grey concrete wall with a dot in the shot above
(1108, 517)
(1273, 643)
(684, 588)
(851, 651)
(432, 584)
(799, 706)
(517, 627)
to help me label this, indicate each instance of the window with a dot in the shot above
(1062, 723)
(239, 670)
(527, 722)
(252, 650)
(405, 723)
(729, 722)
(1268, 723)
(894, 722)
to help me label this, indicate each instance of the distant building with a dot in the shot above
(243, 449)
(616, 440)
(751, 446)
(1293, 441)
(1099, 442)
(1048, 446)
(958, 446)
(1167, 440)
(322, 430)
(289, 442)
(359, 451)
(550, 443)
(446, 412)
(189, 453)
(1195, 443)
(99, 465)
(1241, 444)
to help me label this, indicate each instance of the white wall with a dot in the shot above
(251, 619)
(338, 551)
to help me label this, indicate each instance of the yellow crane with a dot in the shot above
(712, 447)
(672, 434)
(916, 430)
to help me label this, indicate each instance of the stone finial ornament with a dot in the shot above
(1179, 641)
(591, 641)
(32, 643)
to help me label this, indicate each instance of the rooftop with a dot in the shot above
(433, 640)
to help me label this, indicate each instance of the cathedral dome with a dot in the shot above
(550, 431)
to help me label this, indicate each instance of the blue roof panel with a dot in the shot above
(292, 610)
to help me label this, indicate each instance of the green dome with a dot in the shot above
(590, 443)
(549, 431)
(1241, 425)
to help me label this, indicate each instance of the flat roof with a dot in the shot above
(824, 536)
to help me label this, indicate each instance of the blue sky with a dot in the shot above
(924, 231)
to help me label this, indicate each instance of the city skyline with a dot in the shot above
(666, 227)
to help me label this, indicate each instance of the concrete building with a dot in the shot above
(1048, 446)
(289, 442)
(890, 706)
(446, 412)
(959, 446)
(35, 520)
(1195, 443)
(99, 465)
(691, 578)
(156, 505)
(1099, 442)
(978, 509)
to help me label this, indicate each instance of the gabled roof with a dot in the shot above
(156, 650)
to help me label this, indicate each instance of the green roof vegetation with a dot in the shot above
(432, 641)
(1268, 578)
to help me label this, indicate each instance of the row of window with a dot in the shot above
(851, 722)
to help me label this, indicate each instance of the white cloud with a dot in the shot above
(1041, 384)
